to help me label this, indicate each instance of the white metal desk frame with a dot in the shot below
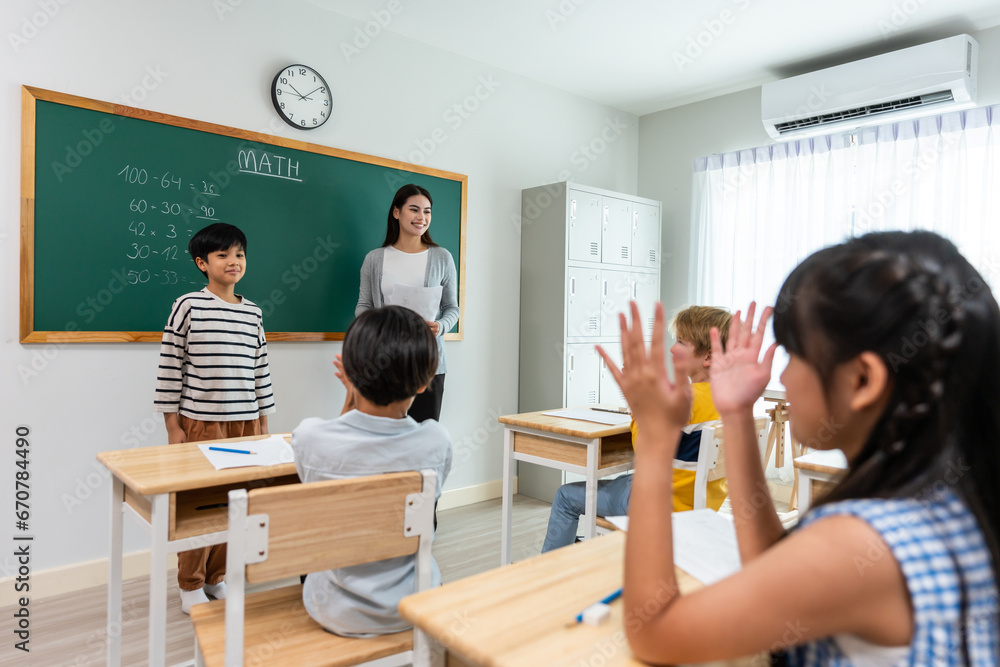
(160, 546)
(591, 471)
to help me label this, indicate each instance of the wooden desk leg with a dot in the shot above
(507, 502)
(797, 451)
(114, 627)
(772, 436)
(158, 580)
(590, 502)
(779, 448)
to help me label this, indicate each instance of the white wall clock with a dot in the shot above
(301, 97)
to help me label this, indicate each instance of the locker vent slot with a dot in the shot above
(592, 325)
(624, 252)
(652, 257)
(594, 250)
(592, 396)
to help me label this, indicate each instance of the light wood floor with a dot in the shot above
(68, 630)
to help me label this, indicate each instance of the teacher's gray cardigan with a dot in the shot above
(440, 271)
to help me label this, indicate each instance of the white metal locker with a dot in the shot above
(645, 235)
(616, 238)
(583, 375)
(583, 301)
(616, 292)
(586, 216)
(646, 292)
(610, 391)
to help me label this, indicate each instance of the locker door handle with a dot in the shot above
(572, 209)
(572, 286)
(605, 216)
(635, 220)
(571, 363)
(604, 288)
(635, 290)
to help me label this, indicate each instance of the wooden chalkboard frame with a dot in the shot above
(29, 97)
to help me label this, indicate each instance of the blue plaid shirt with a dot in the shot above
(936, 540)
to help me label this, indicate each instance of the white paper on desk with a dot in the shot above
(620, 522)
(269, 451)
(610, 418)
(704, 544)
(424, 300)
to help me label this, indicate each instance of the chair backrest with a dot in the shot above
(295, 529)
(712, 457)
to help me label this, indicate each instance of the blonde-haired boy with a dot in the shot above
(691, 327)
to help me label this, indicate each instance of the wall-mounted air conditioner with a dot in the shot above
(931, 78)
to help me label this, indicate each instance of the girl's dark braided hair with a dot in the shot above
(912, 299)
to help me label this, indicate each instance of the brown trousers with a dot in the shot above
(197, 567)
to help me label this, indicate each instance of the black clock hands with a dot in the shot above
(301, 96)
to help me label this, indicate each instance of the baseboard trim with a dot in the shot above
(469, 495)
(78, 576)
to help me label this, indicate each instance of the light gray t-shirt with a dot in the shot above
(362, 600)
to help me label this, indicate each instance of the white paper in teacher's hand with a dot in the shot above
(424, 300)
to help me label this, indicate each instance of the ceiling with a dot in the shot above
(643, 56)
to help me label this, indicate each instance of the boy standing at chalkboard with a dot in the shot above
(213, 380)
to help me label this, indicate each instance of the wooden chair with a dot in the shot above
(712, 458)
(281, 532)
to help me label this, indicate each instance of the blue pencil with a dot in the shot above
(608, 600)
(231, 451)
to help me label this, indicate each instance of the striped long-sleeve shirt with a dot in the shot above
(213, 360)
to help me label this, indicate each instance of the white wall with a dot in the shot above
(82, 399)
(668, 141)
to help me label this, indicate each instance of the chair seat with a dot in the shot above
(280, 631)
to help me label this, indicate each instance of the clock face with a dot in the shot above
(301, 97)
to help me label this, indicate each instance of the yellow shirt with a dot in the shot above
(702, 410)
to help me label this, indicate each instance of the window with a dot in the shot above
(757, 213)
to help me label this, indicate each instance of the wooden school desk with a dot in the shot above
(163, 487)
(521, 615)
(817, 471)
(587, 448)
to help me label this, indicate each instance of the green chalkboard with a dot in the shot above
(112, 194)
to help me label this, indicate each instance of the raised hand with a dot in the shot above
(656, 402)
(350, 401)
(739, 375)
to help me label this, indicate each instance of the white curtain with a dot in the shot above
(940, 173)
(757, 213)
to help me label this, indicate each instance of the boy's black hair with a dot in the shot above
(215, 237)
(389, 353)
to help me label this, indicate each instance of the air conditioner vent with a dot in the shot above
(941, 97)
(921, 80)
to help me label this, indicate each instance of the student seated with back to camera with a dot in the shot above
(389, 356)
(691, 328)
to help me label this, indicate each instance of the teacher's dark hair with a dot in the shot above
(215, 237)
(398, 201)
(389, 354)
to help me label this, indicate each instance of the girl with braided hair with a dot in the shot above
(894, 344)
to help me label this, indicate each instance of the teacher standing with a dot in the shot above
(409, 257)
